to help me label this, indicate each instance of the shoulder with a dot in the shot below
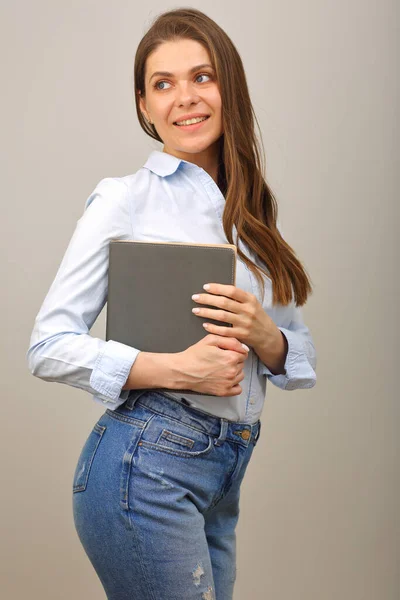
(138, 181)
(109, 189)
(118, 189)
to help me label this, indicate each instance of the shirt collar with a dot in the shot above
(162, 163)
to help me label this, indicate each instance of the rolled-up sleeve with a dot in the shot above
(61, 348)
(301, 359)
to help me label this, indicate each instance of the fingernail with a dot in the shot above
(246, 347)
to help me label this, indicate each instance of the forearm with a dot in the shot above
(153, 370)
(272, 352)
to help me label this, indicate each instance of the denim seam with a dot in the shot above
(126, 474)
(225, 489)
(178, 421)
(131, 420)
(179, 453)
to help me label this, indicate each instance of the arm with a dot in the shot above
(61, 348)
(154, 370)
(295, 367)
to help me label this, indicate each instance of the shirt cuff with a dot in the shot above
(111, 371)
(298, 371)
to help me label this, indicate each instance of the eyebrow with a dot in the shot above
(192, 70)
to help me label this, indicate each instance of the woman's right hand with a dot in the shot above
(214, 365)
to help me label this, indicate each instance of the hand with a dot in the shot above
(250, 322)
(214, 365)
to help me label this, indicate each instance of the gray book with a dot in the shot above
(150, 288)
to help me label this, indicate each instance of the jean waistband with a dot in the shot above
(218, 427)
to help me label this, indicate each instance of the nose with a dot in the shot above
(186, 93)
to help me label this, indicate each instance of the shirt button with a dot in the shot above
(252, 401)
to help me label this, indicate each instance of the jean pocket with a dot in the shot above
(169, 435)
(82, 470)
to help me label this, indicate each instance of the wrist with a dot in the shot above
(273, 351)
(172, 363)
(154, 370)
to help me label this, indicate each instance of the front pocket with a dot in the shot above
(172, 436)
(86, 457)
(185, 442)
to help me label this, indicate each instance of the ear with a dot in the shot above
(142, 106)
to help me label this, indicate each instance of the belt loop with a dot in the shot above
(258, 432)
(222, 434)
(133, 396)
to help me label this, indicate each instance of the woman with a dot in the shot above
(157, 484)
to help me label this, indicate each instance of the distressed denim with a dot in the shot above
(156, 499)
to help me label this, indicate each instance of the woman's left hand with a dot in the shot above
(250, 322)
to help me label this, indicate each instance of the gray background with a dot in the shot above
(320, 502)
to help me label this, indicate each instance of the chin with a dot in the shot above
(199, 145)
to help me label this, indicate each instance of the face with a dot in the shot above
(170, 98)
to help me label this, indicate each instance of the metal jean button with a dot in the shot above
(244, 434)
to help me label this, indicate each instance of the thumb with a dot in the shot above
(227, 343)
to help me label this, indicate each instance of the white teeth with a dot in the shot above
(191, 121)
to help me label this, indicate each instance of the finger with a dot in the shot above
(239, 378)
(227, 290)
(223, 315)
(210, 301)
(220, 329)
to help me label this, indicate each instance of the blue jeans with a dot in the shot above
(156, 499)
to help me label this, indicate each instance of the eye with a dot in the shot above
(203, 74)
(156, 84)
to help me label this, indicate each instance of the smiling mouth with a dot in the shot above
(197, 123)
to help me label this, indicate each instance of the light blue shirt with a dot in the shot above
(171, 200)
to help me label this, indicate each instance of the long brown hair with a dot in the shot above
(249, 202)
